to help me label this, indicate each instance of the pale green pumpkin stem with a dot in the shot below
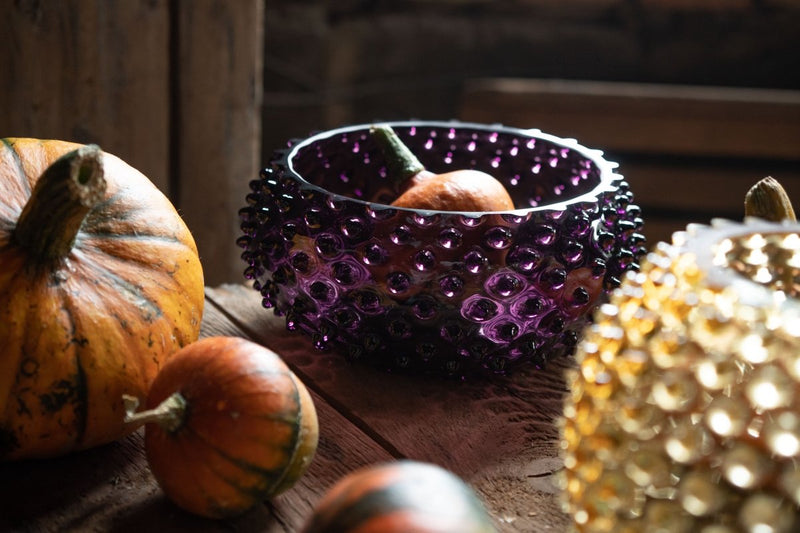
(401, 163)
(169, 414)
(63, 195)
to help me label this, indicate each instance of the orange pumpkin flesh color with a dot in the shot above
(227, 426)
(459, 190)
(100, 282)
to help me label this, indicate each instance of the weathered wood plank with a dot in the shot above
(689, 153)
(703, 186)
(628, 117)
(218, 123)
(111, 488)
(89, 72)
(499, 435)
(674, 193)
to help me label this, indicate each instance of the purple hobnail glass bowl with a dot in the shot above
(439, 291)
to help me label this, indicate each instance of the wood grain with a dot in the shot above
(499, 435)
(110, 488)
(173, 88)
(673, 193)
(690, 153)
(89, 72)
(630, 117)
(218, 130)
(691, 186)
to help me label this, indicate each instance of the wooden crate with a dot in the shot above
(172, 87)
(689, 153)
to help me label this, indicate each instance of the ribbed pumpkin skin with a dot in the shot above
(401, 497)
(250, 428)
(77, 334)
(461, 190)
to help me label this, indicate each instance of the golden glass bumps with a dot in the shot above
(684, 410)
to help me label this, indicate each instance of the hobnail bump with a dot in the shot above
(683, 412)
(440, 291)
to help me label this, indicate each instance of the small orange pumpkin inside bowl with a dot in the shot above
(448, 291)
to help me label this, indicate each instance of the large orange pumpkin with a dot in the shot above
(100, 282)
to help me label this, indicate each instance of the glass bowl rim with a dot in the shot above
(606, 169)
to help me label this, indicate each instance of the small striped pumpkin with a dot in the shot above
(229, 426)
(100, 282)
(400, 497)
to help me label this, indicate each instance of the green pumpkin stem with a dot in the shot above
(767, 199)
(169, 414)
(401, 163)
(63, 195)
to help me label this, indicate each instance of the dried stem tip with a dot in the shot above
(768, 200)
(60, 201)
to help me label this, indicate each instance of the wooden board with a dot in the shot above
(173, 88)
(654, 119)
(675, 192)
(690, 153)
(89, 72)
(217, 143)
(499, 435)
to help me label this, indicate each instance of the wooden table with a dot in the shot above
(498, 435)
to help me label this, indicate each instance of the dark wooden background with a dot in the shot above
(172, 87)
(695, 100)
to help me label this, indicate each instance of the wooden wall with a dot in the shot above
(198, 93)
(171, 86)
(696, 100)
(689, 153)
(90, 72)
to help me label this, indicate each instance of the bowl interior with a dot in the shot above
(536, 171)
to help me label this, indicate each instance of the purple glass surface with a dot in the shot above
(439, 291)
